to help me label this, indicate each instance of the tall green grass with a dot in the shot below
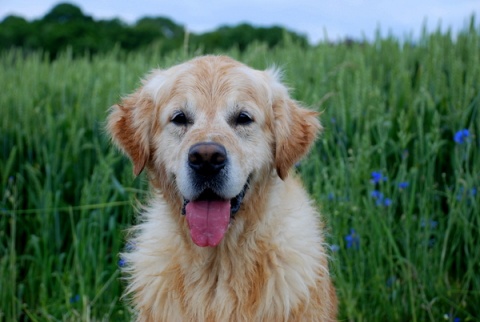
(411, 254)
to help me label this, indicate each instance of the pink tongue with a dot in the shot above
(208, 221)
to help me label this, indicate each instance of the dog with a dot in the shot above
(229, 233)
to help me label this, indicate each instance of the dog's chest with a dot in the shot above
(243, 288)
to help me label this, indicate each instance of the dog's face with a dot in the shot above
(209, 129)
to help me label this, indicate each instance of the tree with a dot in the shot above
(14, 32)
(160, 26)
(242, 35)
(65, 25)
(64, 13)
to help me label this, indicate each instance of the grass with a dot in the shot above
(404, 241)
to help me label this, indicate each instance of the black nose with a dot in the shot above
(207, 158)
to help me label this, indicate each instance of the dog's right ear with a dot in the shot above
(129, 127)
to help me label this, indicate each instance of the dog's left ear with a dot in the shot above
(295, 127)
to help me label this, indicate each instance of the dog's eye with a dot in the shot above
(244, 119)
(179, 118)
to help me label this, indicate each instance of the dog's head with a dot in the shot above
(208, 129)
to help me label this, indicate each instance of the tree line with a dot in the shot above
(66, 26)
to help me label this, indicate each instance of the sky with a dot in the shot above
(317, 19)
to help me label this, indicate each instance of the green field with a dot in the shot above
(395, 174)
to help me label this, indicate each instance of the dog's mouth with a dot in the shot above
(209, 216)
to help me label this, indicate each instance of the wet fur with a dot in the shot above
(271, 264)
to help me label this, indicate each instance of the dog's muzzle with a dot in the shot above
(209, 214)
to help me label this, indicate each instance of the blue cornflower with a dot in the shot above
(449, 316)
(473, 192)
(462, 193)
(121, 262)
(403, 185)
(459, 195)
(377, 195)
(391, 281)
(75, 299)
(431, 223)
(352, 239)
(380, 199)
(331, 196)
(377, 177)
(461, 136)
(334, 248)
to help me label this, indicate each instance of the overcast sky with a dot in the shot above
(337, 18)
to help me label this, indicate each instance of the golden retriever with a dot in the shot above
(229, 234)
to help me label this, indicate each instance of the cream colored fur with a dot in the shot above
(271, 264)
